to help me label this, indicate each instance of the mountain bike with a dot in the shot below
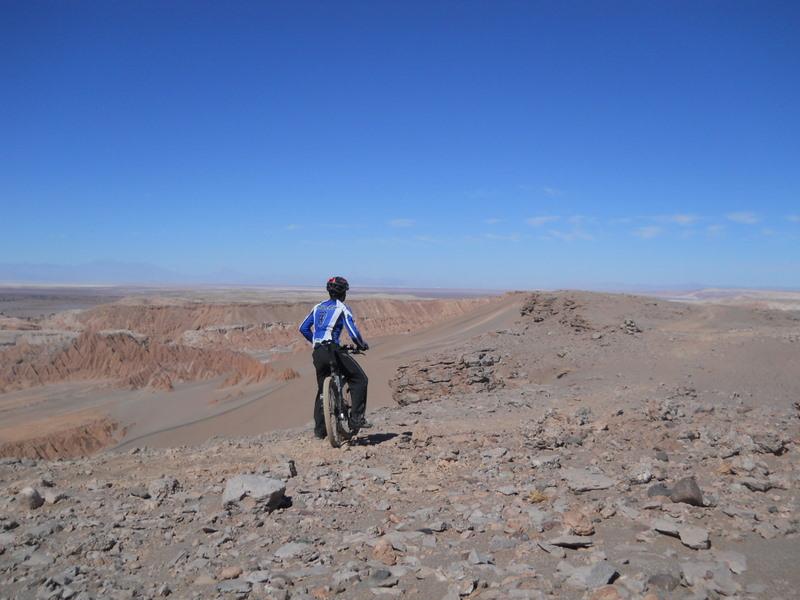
(336, 403)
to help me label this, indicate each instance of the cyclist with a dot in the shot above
(323, 327)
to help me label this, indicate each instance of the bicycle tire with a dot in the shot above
(329, 409)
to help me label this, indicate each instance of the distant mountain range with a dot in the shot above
(110, 272)
(94, 272)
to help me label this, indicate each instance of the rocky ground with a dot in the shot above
(572, 456)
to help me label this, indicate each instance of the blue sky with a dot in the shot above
(455, 144)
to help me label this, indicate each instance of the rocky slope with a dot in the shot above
(523, 494)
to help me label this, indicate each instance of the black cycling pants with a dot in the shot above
(353, 373)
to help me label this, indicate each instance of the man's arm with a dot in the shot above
(305, 326)
(355, 334)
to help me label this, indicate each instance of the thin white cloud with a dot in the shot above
(715, 230)
(743, 218)
(621, 221)
(429, 239)
(402, 223)
(493, 221)
(553, 192)
(647, 233)
(682, 219)
(541, 220)
(512, 237)
(570, 236)
(793, 218)
(292, 227)
(341, 226)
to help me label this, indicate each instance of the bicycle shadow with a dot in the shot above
(373, 439)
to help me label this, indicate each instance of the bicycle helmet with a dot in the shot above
(337, 287)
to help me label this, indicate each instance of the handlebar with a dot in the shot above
(351, 349)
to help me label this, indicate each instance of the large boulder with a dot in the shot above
(265, 492)
(30, 498)
(687, 491)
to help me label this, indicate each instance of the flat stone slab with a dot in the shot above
(694, 537)
(689, 535)
(292, 550)
(589, 577)
(572, 541)
(582, 480)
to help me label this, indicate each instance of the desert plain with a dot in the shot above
(157, 442)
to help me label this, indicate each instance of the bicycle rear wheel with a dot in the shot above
(329, 409)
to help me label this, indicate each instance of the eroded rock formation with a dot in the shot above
(127, 360)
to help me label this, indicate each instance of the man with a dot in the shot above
(323, 327)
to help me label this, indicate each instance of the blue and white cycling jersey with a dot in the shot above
(327, 320)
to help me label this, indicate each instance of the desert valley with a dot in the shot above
(157, 442)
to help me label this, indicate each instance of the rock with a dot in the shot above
(29, 498)
(663, 581)
(736, 561)
(583, 415)
(691, 536)
(607, 592)
(592, 576)
(265, 491)
(582, 480)
(343, 578)
(234, 586)
(163, 487)
(756, 485)
(769, 443)
(54, 497)
(641, 475)
(714, 576)
(229, 573)
(547, 461)
(658, 489)
(687, 491)
(437, 526)
(477, 558)
(556, 551)
(258, 577)
(694, 537)
(494, 453)
(140, 492)
(577, 523)
(286, 469)
(292, 550)
(571, 541)
(382, 578)
(665, 526)
(383, 552)
(630, 327)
